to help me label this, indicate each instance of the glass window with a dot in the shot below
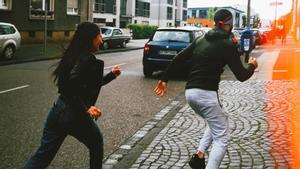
(117, 32)
(170, 2)
(5, 4)
(172, 36)
(105, 31)
(184, 3)
(184, 15)
(169, 13)
(99, 6)
(38, 9)
(72, 7)
(6, 29)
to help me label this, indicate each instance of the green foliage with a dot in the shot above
(141, 31)
(211, 13)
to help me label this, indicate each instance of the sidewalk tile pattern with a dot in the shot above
(259, 125)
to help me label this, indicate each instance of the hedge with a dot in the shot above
(141, 31)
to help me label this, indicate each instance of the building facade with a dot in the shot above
(202, 14)
(154, 12)
(31, 16)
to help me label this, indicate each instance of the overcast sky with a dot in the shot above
(262, 7)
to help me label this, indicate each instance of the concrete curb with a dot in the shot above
(129, 151)
(9, 62)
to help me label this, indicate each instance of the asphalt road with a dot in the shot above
(127, 102)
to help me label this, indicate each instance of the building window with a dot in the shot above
(194, 13)
(237, 20)
(72, 7)
(5, 4)
(184, 3)
(123, 7)
(38, 9)
(184, 15)
(146, 10)
(202, 13)
(99, 6)
(142, 9)
(169, 13)
(170, 2)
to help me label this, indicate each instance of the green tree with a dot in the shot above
(211, 13)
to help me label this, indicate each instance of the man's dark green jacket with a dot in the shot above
(207, 56)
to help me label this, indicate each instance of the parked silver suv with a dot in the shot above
(10, 40)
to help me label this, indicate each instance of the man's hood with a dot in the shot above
(216, 34)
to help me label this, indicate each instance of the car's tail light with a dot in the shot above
(146, 49)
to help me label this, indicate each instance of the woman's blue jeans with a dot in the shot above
(62, 121)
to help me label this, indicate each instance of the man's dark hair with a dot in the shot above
(222, 16)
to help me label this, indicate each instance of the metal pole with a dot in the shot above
(159, 13)
(248, 13)
(45, 30)
(275, 24)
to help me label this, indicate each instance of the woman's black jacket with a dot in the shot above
(80, 87)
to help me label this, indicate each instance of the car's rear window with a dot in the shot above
(105, 31)
(6, 29)
(172, 36)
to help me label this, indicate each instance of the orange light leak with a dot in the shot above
(287, 68)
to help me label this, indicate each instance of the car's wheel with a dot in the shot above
(8, 52)
(123, 44)
(105, 45)
(147, 71)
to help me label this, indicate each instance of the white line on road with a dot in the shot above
(280, 71)
(16, 88)
(114, 65)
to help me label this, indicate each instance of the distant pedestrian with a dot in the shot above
(283, 35)
(79, 77)
(207, 57)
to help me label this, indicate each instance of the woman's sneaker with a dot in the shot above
(196, 162)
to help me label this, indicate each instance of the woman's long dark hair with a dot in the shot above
(82, 42)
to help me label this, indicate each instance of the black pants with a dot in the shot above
(61, 122)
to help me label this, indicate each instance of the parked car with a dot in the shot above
(205, 29)
(239, 30)
(258, 38)
(164, 45)
(10, 40)
(114, 37)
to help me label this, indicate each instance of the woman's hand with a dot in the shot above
(116, 70)
(94, 112)
(161, 88)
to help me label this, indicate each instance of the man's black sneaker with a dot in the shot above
(196, 162)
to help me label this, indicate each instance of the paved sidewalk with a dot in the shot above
(264, 116)
(35, 52)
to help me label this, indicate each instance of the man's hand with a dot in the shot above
(116, 70)
(94, 112)
(161, 88)
(253, 61)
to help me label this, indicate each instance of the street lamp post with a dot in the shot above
(276, 3)
(248, 13)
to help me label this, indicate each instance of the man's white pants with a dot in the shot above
(206, 104)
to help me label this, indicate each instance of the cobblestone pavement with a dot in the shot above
(261, 124)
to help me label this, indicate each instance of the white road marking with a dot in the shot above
(16, 88)
(109, 67)
(280, 71)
